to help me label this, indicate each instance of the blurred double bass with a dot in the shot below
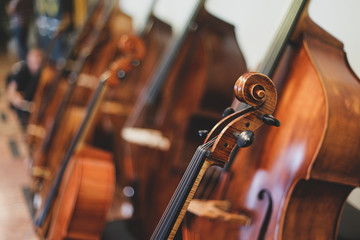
(293, 182)
(97, 39)
(77, 200)
(187, 93)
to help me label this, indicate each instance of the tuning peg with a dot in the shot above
(228, 111)
(203, 133)
(270, 120)
(121, 74)
(245, 138)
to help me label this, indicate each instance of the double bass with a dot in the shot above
(76, 202)
(187, 93)
(293, 182)
(101, 39)
(54, 91)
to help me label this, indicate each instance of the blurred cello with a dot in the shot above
(293, 182)
(155, 35)
(101, 40)
(188, 91)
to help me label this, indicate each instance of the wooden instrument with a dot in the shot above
(73, 196)
(68, 92)
(53, 74)
(119, 102)
(155, 35)
(231, 133)
(188, 91)
(293, 182)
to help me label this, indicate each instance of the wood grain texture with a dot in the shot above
(85, 196)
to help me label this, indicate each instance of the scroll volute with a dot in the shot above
(256, 90)
(132, 51)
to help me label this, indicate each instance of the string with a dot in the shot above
(178, 199)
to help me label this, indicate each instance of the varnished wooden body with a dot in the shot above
(308, 165)
(85, 196)
(196, 91)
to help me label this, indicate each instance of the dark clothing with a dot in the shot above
(21, 12)
(20, 34)
(26, 85)
(26, 82)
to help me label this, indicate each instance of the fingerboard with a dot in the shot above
(175, 211)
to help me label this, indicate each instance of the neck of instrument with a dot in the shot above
(277, 47)
(175, 211)
(78, 139)
(168, 60)
(158, 79)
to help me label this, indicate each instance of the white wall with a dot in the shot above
(256, 22)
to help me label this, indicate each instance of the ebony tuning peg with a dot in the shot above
(228, 111)
(243, 139)
(270, 120)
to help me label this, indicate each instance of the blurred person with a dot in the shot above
(22, 84)
(53, 22)
(20, 13)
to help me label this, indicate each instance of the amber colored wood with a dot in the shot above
(310, 163)
(314, 205)
(85, 196)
